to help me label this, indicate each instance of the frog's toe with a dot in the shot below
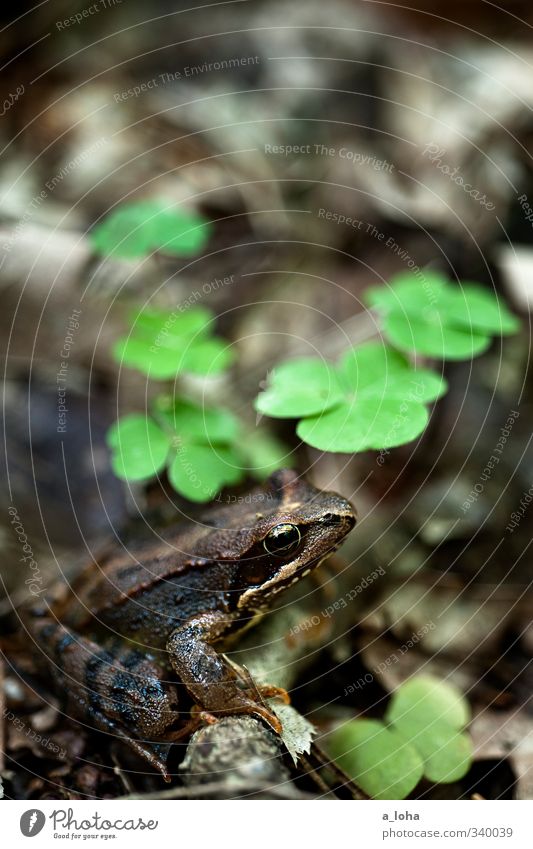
(244, 705)
(268, 691)
(203, 717)
(270, 718)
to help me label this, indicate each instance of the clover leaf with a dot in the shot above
(372, 399)
(162, 344)
(137, 229)
(422, 736)
(431, 714)
(194, 423)
(198, 445)
(431, 316)
(139, 447)
(300, 388)
(206, 457)
(470, 305)
(425, 695)
(379, 759)
(365, 424)
(152, 321)
(198, 470)
(430, 336)
(407, 292)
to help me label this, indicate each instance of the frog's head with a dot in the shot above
(292, 527)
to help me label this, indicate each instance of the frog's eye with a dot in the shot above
(282, 540)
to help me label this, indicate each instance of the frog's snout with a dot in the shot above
(341, 513)
(346, 518)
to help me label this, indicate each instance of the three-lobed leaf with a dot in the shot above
(264, 453)
(407, 293)
(372, 399)
(377, 758)
(473, 306)
(430, 336)
(371, 423)
(163, 344)
(195, 423)
(136, 229)
(201, 447)
(300, 388)
(429, 697)
(431, 316)
(206, 357)
(198, 471)
(432, 714)
(139, 447)
(423, 736)
(163, 324)
(195, 443)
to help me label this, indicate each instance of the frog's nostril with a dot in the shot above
(351, 518)
(342, 518)
(331, 519)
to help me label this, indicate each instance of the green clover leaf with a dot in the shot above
(423, 736)
(300, 388)
(364, 424)
(473, 306)
(139, 447)
(162, 344)
(408, 293)
(428, 335)
(137, 229)
(207, 357)
(379, 759)
(376, 370)
(372, 399)
(151, 322)
(199, 471)
(431, 714)
(431, 316)
(202, 448)
(198, 445)
(206, 457)
(263, 453)
(194, 423)
(429, 697)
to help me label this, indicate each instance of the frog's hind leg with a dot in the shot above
(103, 723)
(98, 689)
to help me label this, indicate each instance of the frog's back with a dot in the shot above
(123, 572)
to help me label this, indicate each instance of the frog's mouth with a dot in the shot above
(303, 571)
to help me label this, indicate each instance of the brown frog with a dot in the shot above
(172, 604)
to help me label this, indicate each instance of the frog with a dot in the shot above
(140, 622)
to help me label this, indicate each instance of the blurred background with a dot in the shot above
(273, 119)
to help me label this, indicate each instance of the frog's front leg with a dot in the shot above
(209, 679)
